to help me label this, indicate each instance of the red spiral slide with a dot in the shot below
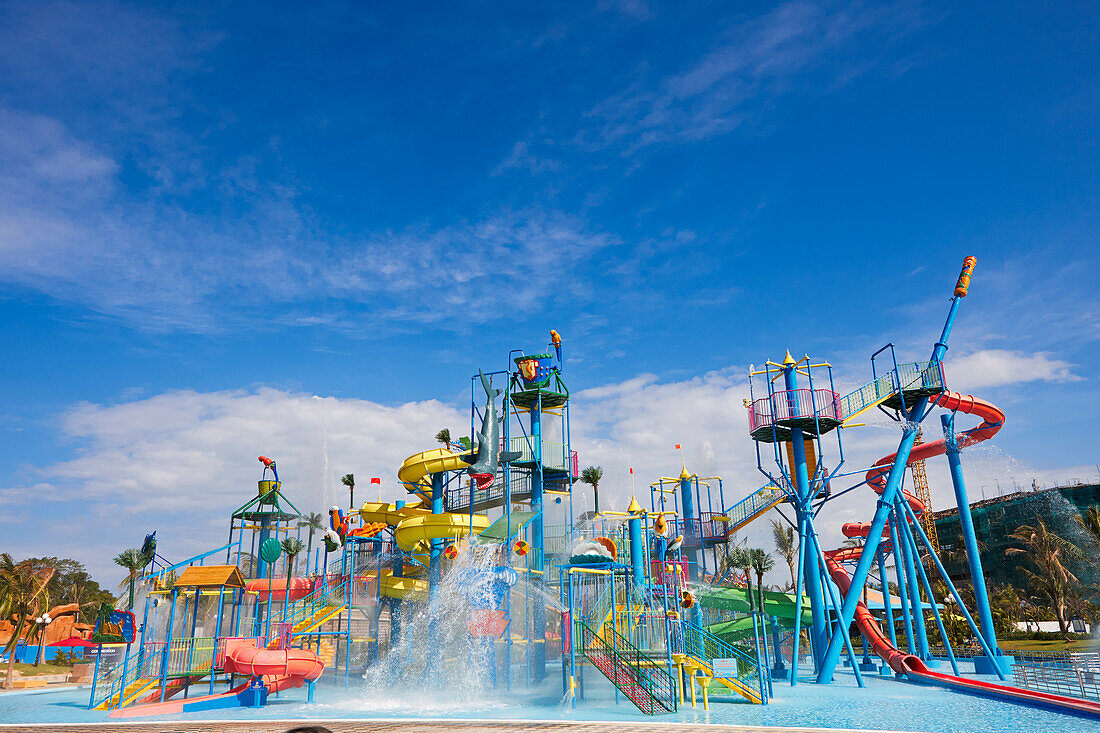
(912, 666)
(281, 669)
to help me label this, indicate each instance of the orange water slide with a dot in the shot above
(299, 588)
(992, 420)
(297, 666)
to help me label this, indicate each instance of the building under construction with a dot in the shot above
(996, 519)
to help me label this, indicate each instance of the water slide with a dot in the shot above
(299, 588)
(909, 664)
(414, 525)
(783, 606)
(281, 669)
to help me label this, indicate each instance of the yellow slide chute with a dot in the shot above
(415, 525)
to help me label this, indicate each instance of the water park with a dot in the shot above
(483, 594)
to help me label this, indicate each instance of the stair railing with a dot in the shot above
(635, 674)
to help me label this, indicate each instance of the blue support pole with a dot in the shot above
(887, 604)
(536, 642)
(903, 594)
(863, 565)
(396, 603)
(983, 664)
(168, 645)
(689, 523)
(905, 552)
(634, 531)
(797, 653)
(217, 633)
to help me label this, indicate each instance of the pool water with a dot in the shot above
(885, 704)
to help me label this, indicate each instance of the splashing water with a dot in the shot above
(437, 662)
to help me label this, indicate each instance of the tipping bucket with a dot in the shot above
(535, 369)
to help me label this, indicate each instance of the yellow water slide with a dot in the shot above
(414, 526)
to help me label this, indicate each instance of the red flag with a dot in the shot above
(632, 472)
(677, 446)
(376, 480)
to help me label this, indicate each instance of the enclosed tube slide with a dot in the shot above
(299, 588)
(908, 664)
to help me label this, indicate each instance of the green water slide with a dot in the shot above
(780, 605)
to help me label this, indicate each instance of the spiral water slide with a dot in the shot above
(909, 664)
(415, 524)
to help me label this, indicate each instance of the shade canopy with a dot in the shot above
(73, 641)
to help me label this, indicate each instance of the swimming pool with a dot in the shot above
(885, 704)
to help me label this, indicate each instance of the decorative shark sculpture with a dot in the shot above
(489, 455)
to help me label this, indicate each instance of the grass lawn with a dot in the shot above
(29, 669)
(1055, 645)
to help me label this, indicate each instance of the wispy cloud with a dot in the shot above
(67, 231)
(797, 45)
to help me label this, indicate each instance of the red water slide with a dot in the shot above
(912, 666)
(299, 588)
(281, 669)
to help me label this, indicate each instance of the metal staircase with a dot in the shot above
(639, 677)
(754, 506)
(322, 605)
(702, 648)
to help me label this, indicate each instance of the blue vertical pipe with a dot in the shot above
(168, 645)
(887, 604)
(217, 633)
(804, 494)
(799, 579)
(536, 644)
(906, 619)
(689, 517)
(906, 553)
(396, 603)
(863, 565)
(634, 532)
(983, 665)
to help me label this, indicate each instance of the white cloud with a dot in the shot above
(67, 230)
(182, 461)
(999, 367)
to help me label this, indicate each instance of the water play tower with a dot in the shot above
(537, 462)
(798, 415)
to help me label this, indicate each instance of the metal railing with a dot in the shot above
(704, 646)
(795, 404)
(635, 674)
(111, 684)
(326, 595)
(753, 505)
(190, 656)
(1070, 677)
(914, 375)
(555, 456)
(458, 497)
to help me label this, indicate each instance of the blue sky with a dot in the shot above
(206, 210)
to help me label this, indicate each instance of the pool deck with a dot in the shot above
(397, 726)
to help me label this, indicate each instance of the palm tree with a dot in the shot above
(741, 558)
(133, 561)
(349, 481)
(1090, 522)
(783, 536)
(443, 437)
(23, 593)
(1050, 554)
(315, 523)
(762, 563)
(591, 475)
